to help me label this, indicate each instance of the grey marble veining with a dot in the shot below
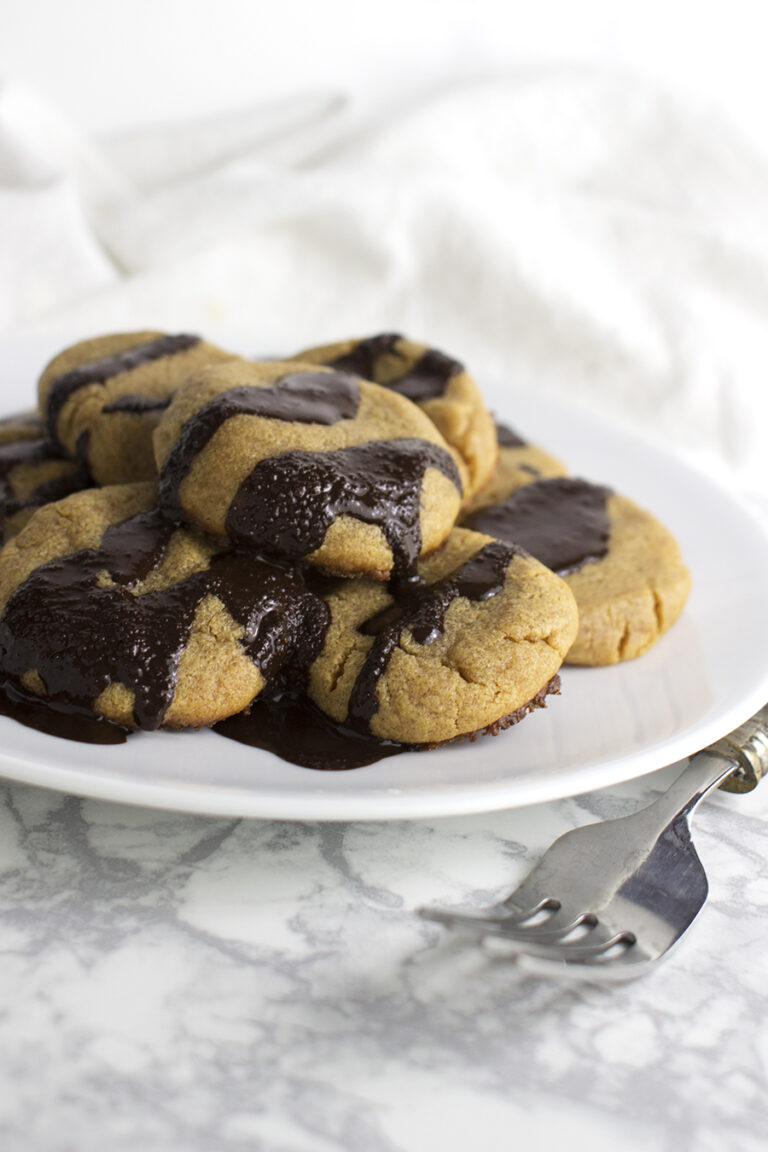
(177, 982)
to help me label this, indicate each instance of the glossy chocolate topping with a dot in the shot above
(427, 379)
(422, 613)
(288, 502)
(137, 640)
(99, 371)
(55, 718)
(288, 724)
(508, 438)
(300, 397)
(563, 522)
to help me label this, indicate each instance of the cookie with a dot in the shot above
(474, 649)
(109, 609)
(519, 463)
(33, 473)
(21, 426)
(622, 565)
(441, 386)
(308, 463)
(102, 398)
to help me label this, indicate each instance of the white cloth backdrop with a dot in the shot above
(569, 231)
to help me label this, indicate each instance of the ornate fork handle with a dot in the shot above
(747, 747)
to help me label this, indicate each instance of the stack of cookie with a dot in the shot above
(343, 540)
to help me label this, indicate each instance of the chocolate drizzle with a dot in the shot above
(29, 453)
(137, 640)
(288, 502)
(135, 404)
(301, 397)
(427, 379)
(563, 522)
(423, 615)
(99, 371)
(362, 358)
(508, 438)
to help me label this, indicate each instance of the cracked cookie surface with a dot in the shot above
(623, 566)
(481, 640)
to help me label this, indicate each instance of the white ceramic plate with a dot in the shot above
(703, 678)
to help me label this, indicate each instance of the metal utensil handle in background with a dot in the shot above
(747, 745)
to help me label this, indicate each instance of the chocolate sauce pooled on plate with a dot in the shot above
(99, 371)
(137, 640)
(292, 727)
(508, 438)
(422, 613)
(288, 502)
(563, 522)
(426, 380)
(66, 721)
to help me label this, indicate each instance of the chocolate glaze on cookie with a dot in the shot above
(99, 371)
(423, 615)
(29, 453)
(288, 502)
(136, 404)
(138, 640)
(285, 721)
(562, 521)
(508, 438)
(300, 397)
(426, 380)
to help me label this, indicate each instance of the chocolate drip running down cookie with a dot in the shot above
(423, 615)
(563, 522)
(78, 625)
(308, 397)
(286, 721)
(286, 503)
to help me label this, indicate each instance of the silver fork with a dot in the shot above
(608, 900)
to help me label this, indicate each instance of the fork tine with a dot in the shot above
(558, 924)
(479, 922)
(567, 953)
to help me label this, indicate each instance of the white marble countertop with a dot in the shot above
(176, 982)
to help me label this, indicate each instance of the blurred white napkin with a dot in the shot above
(572, 232)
